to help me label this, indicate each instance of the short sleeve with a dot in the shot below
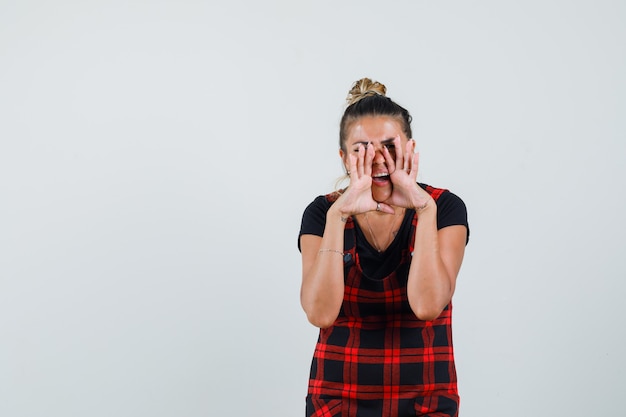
(314, 218)
(451, 211)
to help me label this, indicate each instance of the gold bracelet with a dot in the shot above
(331, 250)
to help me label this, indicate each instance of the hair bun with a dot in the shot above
(365, 88)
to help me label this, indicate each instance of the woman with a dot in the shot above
(380, 260)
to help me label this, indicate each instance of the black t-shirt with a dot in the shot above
(450, 211)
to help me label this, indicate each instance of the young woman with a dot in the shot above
(380, 260)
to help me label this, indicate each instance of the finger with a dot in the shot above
(361, 157)
(369, 158)
(386, 208)
(397, 143)
(408, 156)
(391, 163)
(414, 169)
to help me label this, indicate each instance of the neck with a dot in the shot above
(381, 228)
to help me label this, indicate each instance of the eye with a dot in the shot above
(356, 150)
(390, 146)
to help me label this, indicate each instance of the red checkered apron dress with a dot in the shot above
(378, 359)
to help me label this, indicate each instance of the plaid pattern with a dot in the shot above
(378, 359)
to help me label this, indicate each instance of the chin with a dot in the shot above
(381, 195)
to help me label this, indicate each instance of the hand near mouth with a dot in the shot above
(403, 173)
(357, 198)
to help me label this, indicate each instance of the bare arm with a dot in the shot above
(435, 265)
(321, 293)
(437, 254)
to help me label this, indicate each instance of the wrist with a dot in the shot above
(336, 215)
(422, 201)
(421, 206)
(424, 206)
(428, 210)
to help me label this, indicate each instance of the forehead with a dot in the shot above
(374, 129)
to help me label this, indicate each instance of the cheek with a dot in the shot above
(345, 159)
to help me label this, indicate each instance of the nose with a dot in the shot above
(379, 158)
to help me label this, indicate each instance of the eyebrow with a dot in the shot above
(382, 142)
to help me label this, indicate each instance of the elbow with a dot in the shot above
(426, 311)
(322, 324)
(428, 314)
(321, 313)
(322, 321)
(428, 305)
(321, 316)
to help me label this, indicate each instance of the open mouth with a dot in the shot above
(380, 179)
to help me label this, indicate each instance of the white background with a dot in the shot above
(156, 157)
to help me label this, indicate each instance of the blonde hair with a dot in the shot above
(365, 88)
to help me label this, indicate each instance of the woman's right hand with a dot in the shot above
(357, 198)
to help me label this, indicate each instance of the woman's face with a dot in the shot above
(377, 131)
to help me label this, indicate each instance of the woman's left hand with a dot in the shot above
(403, 173)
